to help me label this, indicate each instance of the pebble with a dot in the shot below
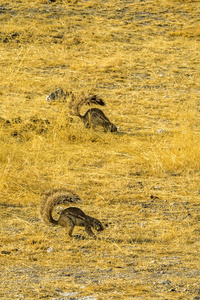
(167, 281)
(160, 131)
(50, 249)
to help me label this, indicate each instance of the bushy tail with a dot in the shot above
(95, 99)
(53, 198)
(85, 99)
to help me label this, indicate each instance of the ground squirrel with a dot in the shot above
(69, 217)
(93, 116)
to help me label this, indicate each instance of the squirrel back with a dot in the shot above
(53, 198)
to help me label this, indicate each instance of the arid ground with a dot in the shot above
(142, 58)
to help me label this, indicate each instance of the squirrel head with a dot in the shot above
(97, 225)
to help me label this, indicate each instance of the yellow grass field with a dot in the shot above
(143, 59)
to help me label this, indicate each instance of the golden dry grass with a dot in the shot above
(142, 58)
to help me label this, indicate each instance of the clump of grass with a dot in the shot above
(192, 31)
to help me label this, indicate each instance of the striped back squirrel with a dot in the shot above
(93, 116)
(69, 217)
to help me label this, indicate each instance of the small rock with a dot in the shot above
(160, 131)
(57, 95)
(50, 249)
(156, 187)
(88, 298)
(167, 281)
(66, 294)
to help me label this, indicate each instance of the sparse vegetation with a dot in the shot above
(142, 58)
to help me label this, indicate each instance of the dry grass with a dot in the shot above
(142, 58)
